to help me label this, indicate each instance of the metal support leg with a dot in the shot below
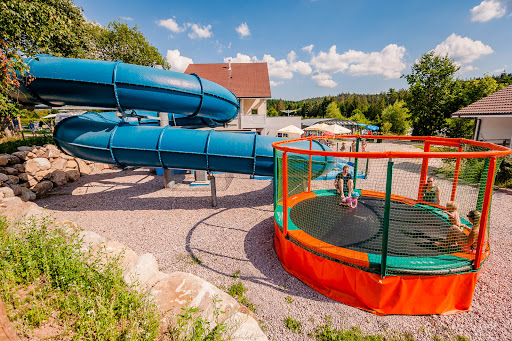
(214, 189)
(169, 180)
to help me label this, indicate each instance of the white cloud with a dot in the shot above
(282, 69)
(487, 10)
(243, 30)
(468, 68)
(274, 83)
(387, 63)
(462, 50)
(308, 48)
(324, 80)
(498, 71)
(127, 18)
(178, 62)
(171, 25)
(199, 32)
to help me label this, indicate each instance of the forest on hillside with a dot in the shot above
(369, 108)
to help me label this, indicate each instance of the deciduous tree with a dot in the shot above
(397, 116)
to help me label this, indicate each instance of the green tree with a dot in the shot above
(397, 116)
(460, 127)
(429, 98)
(118, 41)
(272, 112)
(333, 111)
(30, 27)
(358, 116)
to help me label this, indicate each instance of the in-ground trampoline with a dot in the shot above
(383, 255)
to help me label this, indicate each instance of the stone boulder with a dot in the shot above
(3, 177)
(59, 164)
(83, 167)
(26, 194)
(182, 290)
(43, 188)
(13, 159)
(242, 327)
(35, 165)
(142, 272)
(4, 160)
(25, 149)
(73, 175)
(19, 167)
(59, 178)
(43, 174)
(72, 164)
(21, 155)
(11, 171)
(6, 192)
(13, 180)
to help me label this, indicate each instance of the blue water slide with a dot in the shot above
(140, 141)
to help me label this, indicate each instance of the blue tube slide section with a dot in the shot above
(104, 137)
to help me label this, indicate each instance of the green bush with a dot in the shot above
(12, 146)
(86, 296)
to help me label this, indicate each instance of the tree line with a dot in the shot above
(434, 94)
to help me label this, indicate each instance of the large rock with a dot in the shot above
(59, 178)
(72, 164)
(21, 155)
(43, 188)
(6, 192)
(4, 160)
(11, 171)
(66, 156)
(19, 167)
(183, 290)
(34, 165)
(83, 167)
(3, 177)
(73, 175)
(27, 194)
(242, 327)
(142, 272)
(90, 241)
(40, 152)
(43, 174)
(59, 164)
(30, 179)
(13, 159)
(25, 149)
(13, 180)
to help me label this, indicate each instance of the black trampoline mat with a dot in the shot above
(412, 230)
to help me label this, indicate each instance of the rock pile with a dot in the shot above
(32, 172)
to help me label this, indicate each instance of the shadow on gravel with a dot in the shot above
(128, 197)
(260, 252)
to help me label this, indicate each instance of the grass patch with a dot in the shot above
(236, 274)
(288, 299)
(195, 260)
(46, 278)
(237, 291)
(190, 327)
(293, 325)
(11, 145)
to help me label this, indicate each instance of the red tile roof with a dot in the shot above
(498, 103)
(246, 80)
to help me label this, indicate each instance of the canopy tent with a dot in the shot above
(50, 116)
(291, 129)
(374, 128)
(318, 126)
(337, 130)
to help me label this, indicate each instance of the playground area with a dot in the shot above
(236, 241)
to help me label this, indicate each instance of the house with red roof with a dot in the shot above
(493, 117)
(250, 83)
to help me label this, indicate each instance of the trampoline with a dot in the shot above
(382, 255)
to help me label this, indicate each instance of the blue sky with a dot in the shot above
(322, 47)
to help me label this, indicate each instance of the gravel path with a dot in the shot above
(178, 225)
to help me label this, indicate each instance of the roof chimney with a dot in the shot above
(229, 61)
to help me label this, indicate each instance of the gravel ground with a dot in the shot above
(179, 225)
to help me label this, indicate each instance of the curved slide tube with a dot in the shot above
(104, 137)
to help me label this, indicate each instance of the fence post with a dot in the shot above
(385, 223)
(485, 211)
(310, 160)
(456, 174)
(285, 194)
(424, 171)
(356, 161)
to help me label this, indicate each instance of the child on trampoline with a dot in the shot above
(457, 237)
(344, 184)
(350, 201)
(453, 214)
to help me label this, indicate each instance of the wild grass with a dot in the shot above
(237, 291)
(46, 278)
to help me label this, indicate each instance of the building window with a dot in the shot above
(254, 111)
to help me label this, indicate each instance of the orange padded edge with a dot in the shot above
(294, 199)
(409, 295)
